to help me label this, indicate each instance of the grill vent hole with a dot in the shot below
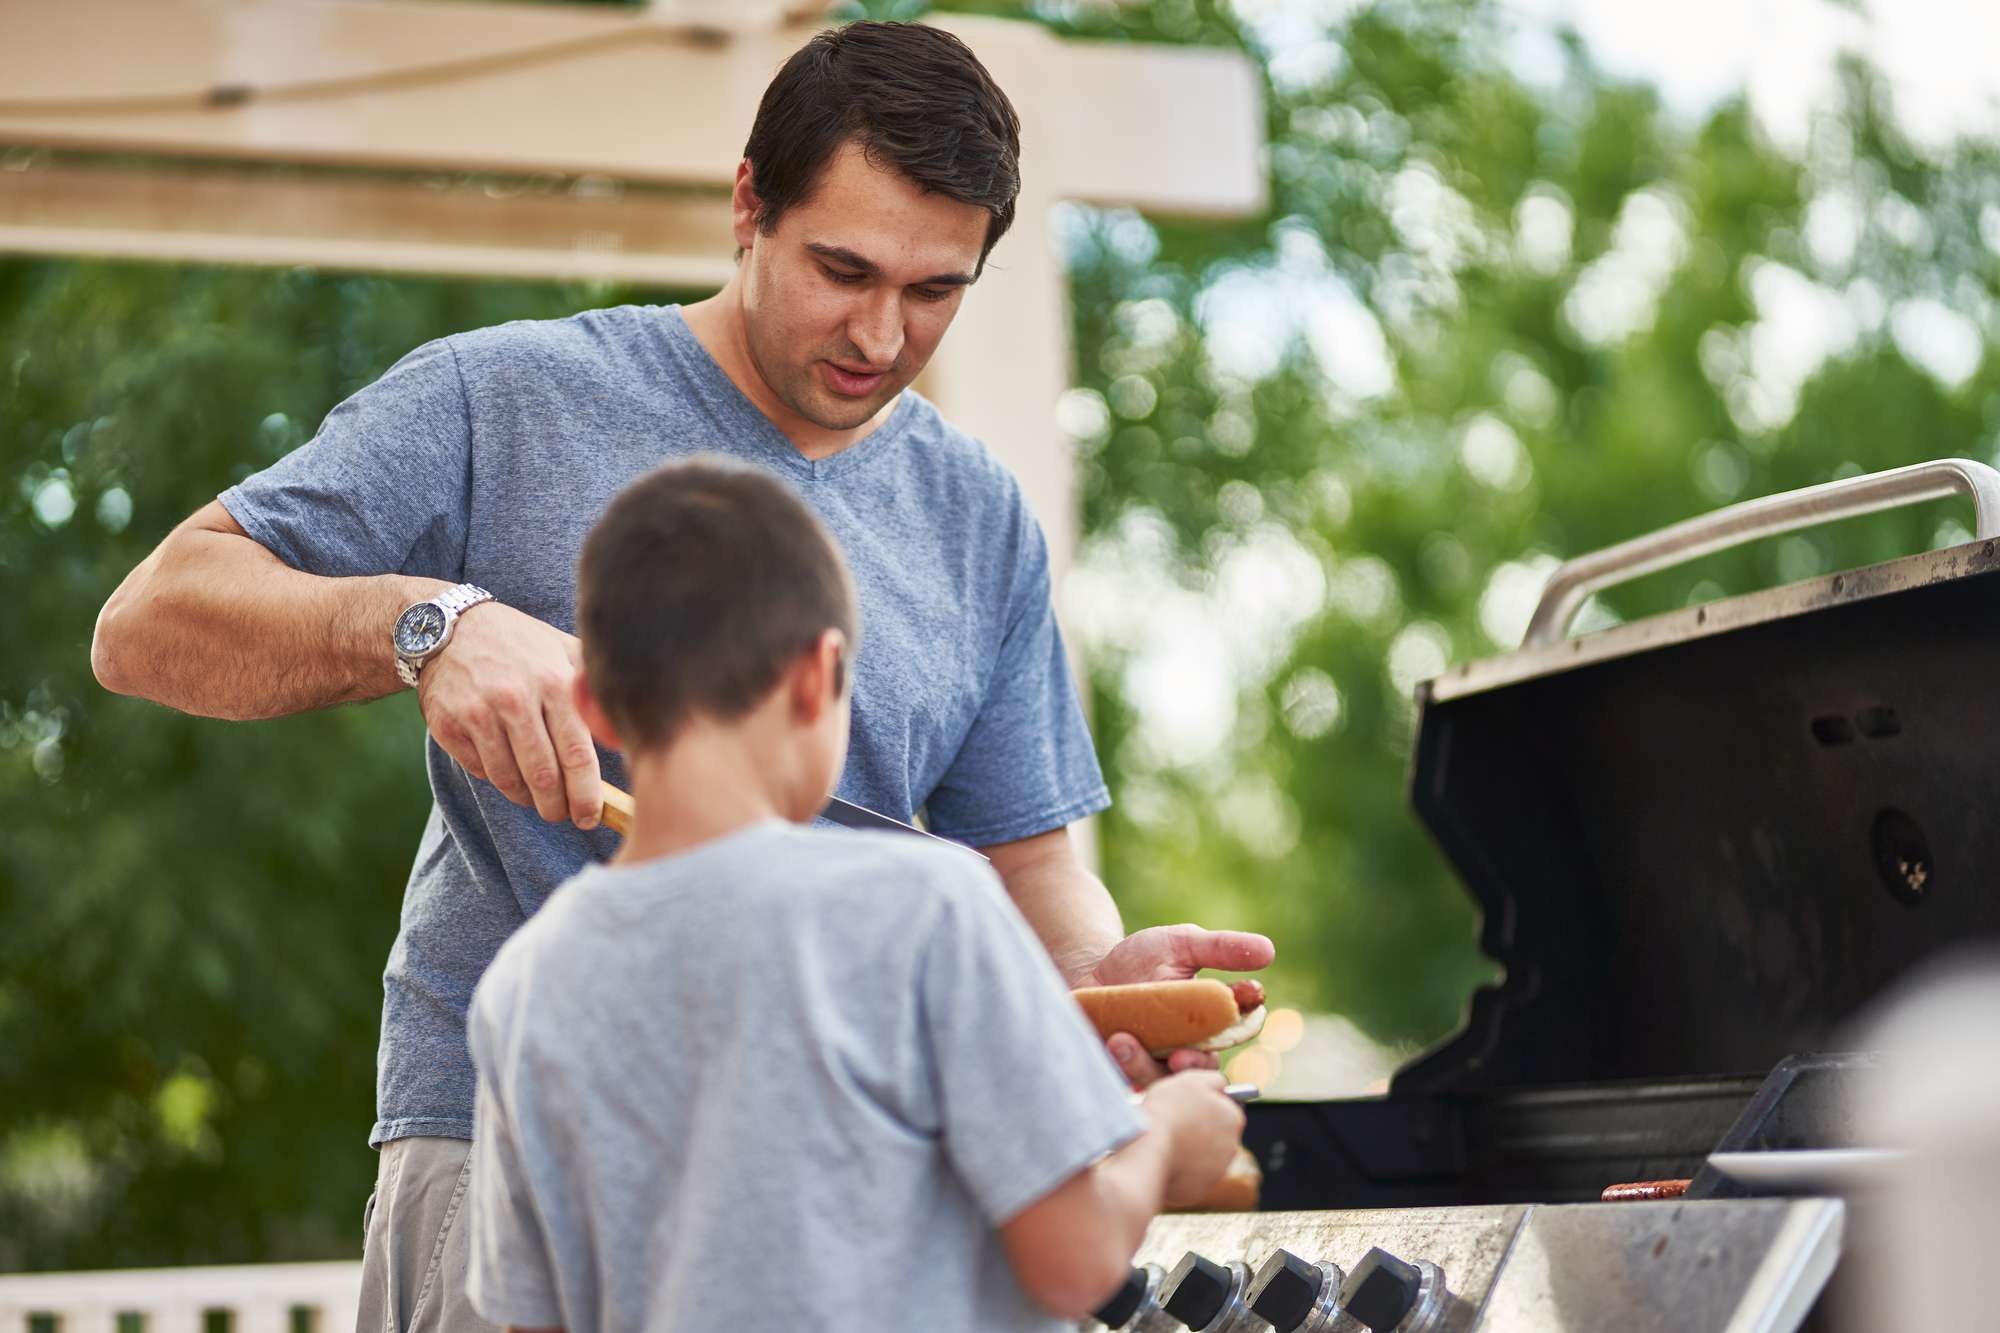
(1832, 729)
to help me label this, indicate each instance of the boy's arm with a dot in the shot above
(1071, 1248)
(1034, 1119)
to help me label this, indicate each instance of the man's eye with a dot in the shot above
(932, 293)
(844, 279)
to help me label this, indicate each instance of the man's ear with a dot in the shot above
(820, 676)
(592, 713)
(744, 205)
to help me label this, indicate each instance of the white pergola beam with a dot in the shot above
(512, 88)
(680, 239)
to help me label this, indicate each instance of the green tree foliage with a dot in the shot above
(1506, 323)
(194, 915)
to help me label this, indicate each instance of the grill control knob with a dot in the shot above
(1293, 1295)
(1381, 1290)
(1199, 1292)
(1125, 1302)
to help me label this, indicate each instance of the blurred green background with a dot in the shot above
(1490, 321)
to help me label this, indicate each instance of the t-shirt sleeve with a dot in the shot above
(382, 488)
(510, 1278)
(1027, 764)
(1026, 1095)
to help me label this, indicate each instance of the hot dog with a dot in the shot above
(1201, 1014)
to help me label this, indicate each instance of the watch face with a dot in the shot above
(420, 629)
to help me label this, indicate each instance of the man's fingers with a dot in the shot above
(460, 747)
(578, 758)
(535, 756)
(496, 758)
(1223, 950)
(1140, 1069)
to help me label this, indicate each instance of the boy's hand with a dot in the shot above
(498, 700)
(1203, 1128)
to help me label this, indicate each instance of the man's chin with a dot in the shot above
(831, 412)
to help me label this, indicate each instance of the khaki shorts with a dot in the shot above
(417, 1246)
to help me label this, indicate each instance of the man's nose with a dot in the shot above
(877, 328)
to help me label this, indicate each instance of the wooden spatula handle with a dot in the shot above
(617, 810)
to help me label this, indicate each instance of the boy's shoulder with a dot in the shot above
(887, 865)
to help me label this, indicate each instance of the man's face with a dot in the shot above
(846, 299)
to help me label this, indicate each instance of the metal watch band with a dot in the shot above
(455, 602)
(462, 597)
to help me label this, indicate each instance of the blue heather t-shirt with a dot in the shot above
(486, 456)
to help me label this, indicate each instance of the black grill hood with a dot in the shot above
(1701, 842)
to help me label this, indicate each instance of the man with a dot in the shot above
(429, 533)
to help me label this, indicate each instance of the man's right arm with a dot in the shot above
(214, 624)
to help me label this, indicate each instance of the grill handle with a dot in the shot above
(1575, 580)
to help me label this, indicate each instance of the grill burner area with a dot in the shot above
(1519, 1268)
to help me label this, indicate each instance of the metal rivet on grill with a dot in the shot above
(1903, 857)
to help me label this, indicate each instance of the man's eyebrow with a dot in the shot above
(840, 254)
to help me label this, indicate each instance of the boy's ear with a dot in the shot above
(820, 676)
(592, 713)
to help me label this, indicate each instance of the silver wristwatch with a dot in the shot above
(422, 631)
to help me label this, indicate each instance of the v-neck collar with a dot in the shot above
(760, 433)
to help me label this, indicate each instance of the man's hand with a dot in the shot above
(1175, 953)
(498, 700)
(1203, 1126)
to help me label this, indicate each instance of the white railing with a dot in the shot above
(258, 1298)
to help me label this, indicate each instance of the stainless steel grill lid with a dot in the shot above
(1702, 841)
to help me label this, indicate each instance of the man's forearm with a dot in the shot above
(212, 623)
(1069, 908)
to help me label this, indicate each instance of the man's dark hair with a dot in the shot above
(701, 583)
(914, 98)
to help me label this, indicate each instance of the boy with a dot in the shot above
(896, 1117)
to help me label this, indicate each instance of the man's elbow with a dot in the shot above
(111, 649)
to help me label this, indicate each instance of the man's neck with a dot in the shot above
(717, 324)
(706, 785)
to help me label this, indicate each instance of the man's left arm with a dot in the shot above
(1072, 913)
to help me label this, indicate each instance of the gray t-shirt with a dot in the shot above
(789, 1079)
(485, 457)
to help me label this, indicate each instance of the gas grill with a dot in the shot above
(1701, 843)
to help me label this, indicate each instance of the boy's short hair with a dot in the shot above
(701, 583)
(913, 97)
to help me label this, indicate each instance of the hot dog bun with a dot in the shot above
(1168, 1015)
